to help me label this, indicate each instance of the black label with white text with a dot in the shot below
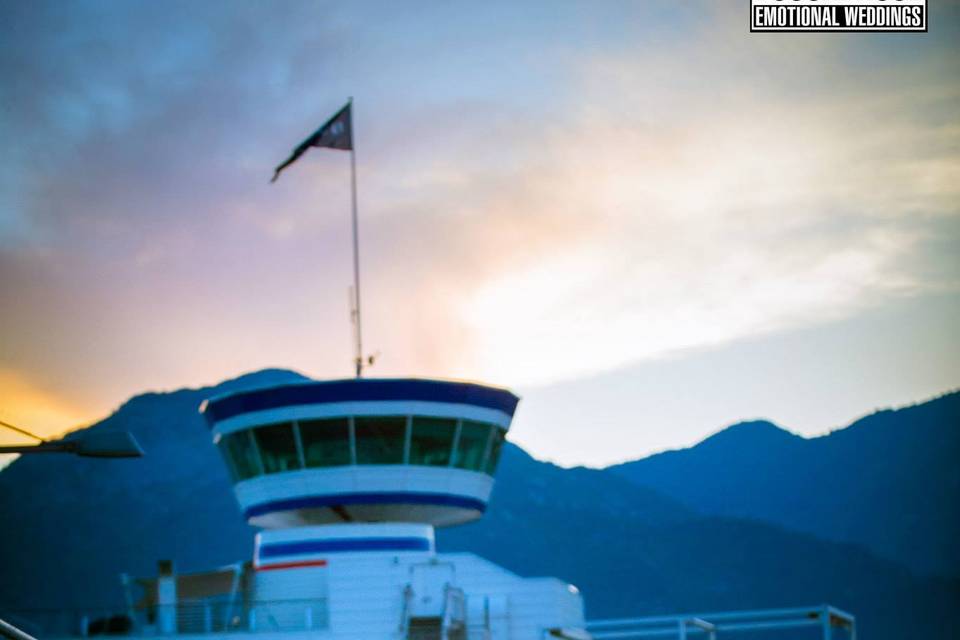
(838, 15)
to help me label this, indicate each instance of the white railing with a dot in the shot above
(199, 617)
(825, 618)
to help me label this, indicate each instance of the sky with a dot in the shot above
(647, 221)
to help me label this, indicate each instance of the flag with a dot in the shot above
(336, 133)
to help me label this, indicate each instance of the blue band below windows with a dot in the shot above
(359, 390)
(348, 499)
(342, 545)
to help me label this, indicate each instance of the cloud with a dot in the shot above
(580, 190)
(727, 213)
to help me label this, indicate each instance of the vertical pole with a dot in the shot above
(234, 590)
(127, 597)
(207, 618)
(358, 356)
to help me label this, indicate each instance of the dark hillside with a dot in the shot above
(889, 481)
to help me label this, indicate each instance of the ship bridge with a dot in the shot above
(397, 450)
(347, 480)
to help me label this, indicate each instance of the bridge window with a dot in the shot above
(496, 445)
(472, 445)
(241, 455)
(380, 439)
(326, 443)
(222, 444)
(376, 439)
(431, 441)
(278, 449)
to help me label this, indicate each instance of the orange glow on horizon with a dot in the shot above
(35, 410)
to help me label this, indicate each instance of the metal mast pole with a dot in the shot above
(358, 356)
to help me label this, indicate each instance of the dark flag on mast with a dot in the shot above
(336, 133)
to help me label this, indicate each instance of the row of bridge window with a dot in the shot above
(416, 440)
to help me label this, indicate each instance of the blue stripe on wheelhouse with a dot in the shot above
(343, 544)
(347, 499)
(354, 390)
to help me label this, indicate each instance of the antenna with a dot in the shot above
(355, 325)
(360, 361)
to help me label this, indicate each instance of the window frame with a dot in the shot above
(299, 445)
(455, 451)
(451, 447)
(478, 467)
(496, 433)
(257, 463)
(344, 421)
(386, 418)
(407, 436)
(274, 425)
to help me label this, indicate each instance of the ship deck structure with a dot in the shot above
(347, 481)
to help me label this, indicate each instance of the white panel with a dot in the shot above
(362, 479)
(386, 529)
(378, 408)
(365, 596)
(301, 583)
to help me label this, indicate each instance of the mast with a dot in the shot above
(355, 315)
(337, 133)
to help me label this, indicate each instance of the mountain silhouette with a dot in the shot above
(73, 525)
(889, 481)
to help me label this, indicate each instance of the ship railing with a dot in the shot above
(829, 623)
(201, 617)
(454, 614)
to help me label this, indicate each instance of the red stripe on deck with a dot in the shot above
(293, 565)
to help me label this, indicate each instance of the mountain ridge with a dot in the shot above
(633, 550)
(884, 481)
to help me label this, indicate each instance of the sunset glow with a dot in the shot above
(598, 190)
